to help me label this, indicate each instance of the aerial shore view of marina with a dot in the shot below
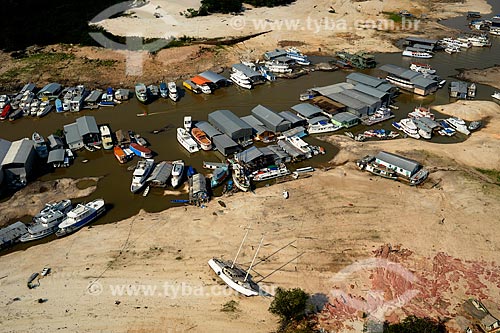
(261, 166)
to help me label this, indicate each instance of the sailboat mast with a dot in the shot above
(255, 256)
(241, 245)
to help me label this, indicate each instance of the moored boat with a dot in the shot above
(409, 128)
(241, 80)
(141, 174)
(186, 140)
(107, 140)
(120, 154)
(219, 175)
(241, 180)
(80, 216)
(163, 90)
(420, 111)
(140, 151)
(172, 91)
(141, 92)
(422, 68)
(458, 124)
(496, 95)
(47, 221)
(40, 145)
(177, 173)
(202, 139)
(416, 54)
(270, 172)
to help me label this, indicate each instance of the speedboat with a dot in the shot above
(172, 91)
(163, 90)
(80, 216)
(153, 90)
(186, 140)
(141, 173)
(40, 145)
(177, 173)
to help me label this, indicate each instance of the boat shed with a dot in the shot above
(307, 110)
(254, 76)
(277, 154)
(372, 102)
(383, 96)
(251, 157)
(424, 86)
(28, 87)
(12, 234)
(19, 162)
(432, 124)
(160, 174)
(93, 98)
(410, 80)
(290, 149)
(50, 91)
(270, 119)
(352, 104)
(259, 129)
(401, 165)
(225, 145)
(73, 138)
(371, 81)
(216, 79)
(56, 157)
(271, 55)
(209, 130)
(88, 129)
(333, 88)
(293, 118)
(412, 41)
(299, 131)
(4, 149)
(329, 106)
(345, 119)
(458, 89)
(198, 192)
(55, 142)
(230, 124)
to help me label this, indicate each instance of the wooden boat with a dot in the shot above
(140, 150)
(201, 138)
(120, 154)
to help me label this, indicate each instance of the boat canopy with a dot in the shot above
(199, 80)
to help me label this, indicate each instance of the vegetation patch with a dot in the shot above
(493, 174)
(414, 324)
(394, 17)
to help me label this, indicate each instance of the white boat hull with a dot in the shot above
(218, 270)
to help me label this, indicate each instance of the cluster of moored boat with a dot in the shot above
(146, 94)
(62, 219)
(71, 99)
(450, 45)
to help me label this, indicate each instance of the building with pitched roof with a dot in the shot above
(270, 119)
(18, 164)
(230, 124)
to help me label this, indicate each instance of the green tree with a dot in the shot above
(289, 304)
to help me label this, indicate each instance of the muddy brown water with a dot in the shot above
(115, 179)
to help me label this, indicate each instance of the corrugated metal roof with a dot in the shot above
(423, 82)
(269, 116)
(72, 134)
(223, 141)
(344, 117)
(19, 152)
(229, 122)
(348, 101)
(289, 148)
(333, 88)
(255, 124)
(294, 131)
(307, 110)
(246, 70)
(161, 172)
(249, 155)
(458, 86)
(423, 47)
(56, 155)
(4, 148)
(12, 232)
(317, 119)
(421, 40)
(86, 125)
(370, 91)
(28, 87)
(213, 77)
(399, 161)
(50, 88)
(274, 54)
(291, 117)
(198, 184)
(278, 151)
(362, 97)
(94, 96)
(386, 87)
(365, 79)
(209, 130)
(54, 141)
(399, 71)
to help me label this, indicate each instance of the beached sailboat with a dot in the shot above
(234, 276)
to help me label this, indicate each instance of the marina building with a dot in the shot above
(254, 76)
(19, 162)
(401, 165)
(209, 130)
(373, 82)
(458, 89)
(270, 119)
(345, 119)
(424, 44)
(82, 132)
(230, 124)
(277, 53)
(216, 79)
(353, 105)
(410, 80)
(307, 110)
(293, 118)
(225, 145)
(50, 91)
(4, 149)
(55, 142)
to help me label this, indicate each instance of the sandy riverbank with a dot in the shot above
(330, 221)
(487, 76)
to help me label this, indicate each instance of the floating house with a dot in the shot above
(82, 132)
(307, 111)
(299, 131)
(50, 91)
(19, 163)
(160, 174)
(55, 142)
(422, 43)
(270, 119)
(410, 80)
(326, 104)
(254, 76)
(401, 165)
(293, 118)
(11, 234)
(458, 89)
(92, 100)
(345, 119)
(230, 124)
(253, 158)
(58, 159)
(275, 54)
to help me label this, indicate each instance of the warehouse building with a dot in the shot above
(230, 124)
(209, 130)
(307, 110)
(261, 132)
(270, 119)
(225, 145)
(18, 164)
(409, 80)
